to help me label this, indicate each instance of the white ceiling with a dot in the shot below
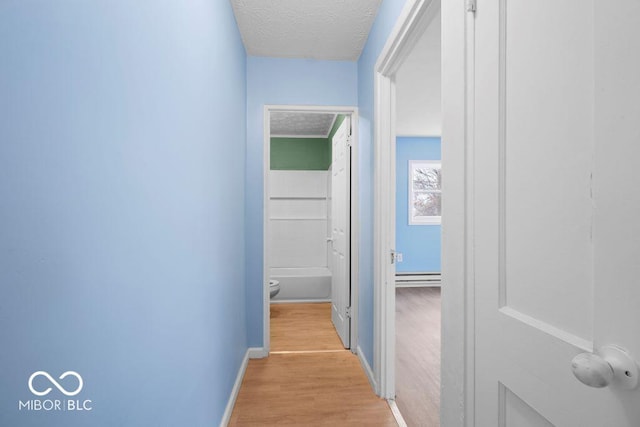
(316, 29)
(301, 124)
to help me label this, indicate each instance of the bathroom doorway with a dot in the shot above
(310, 250)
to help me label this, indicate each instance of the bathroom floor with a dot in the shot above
(309, 379)
(303, 327)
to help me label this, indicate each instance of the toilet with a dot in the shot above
(274, 287)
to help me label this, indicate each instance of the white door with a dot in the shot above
(340, 230)
(556, 210)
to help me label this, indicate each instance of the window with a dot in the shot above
(425, 192)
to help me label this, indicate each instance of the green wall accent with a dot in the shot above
(303, 153)
(299, 154)
(336, 125)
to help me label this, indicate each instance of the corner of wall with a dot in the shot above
(367, 370)
(226, 417)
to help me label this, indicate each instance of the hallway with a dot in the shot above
(308, 379)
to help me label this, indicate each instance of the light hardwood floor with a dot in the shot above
(303, 327)
(418, 355)
(315, 382)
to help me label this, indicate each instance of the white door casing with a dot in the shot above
(413, 21)
(352, 113)
(555, 208)
(340, 231)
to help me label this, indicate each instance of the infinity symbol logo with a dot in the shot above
(55, 383)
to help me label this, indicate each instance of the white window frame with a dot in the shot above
(421, 220)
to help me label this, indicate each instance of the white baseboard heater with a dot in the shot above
(407, 280)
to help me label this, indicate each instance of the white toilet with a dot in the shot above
(274, 287)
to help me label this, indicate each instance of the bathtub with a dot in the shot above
(309, 284)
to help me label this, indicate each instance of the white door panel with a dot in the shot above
(556, 234)
(340, 231)
(616, 231)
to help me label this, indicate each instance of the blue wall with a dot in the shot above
(280, 81)
(122, 167)
(419, 244)
(385, 20)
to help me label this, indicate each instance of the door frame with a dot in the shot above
(353, 197)
(457, 366)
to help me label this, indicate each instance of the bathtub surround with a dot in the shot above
(298, 235)
(302, 284)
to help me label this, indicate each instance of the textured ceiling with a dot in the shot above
(317, 29)
(301, 124)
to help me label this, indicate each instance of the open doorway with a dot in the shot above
(456, 297)
(418, 180)
(310, 261)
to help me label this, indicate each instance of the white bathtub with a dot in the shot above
(309, 284)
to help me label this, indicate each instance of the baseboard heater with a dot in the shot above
(407, 280)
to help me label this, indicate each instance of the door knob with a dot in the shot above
(611, 365)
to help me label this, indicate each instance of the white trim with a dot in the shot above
(355, 230)
(413, 21)
(367, 369)
(420, 220)
(257, 352)
(411, 24)
(396, 413)
(307, 351)
(418, 136)
(333, 123)
(228, 410)
(419, 285)
(384, 318)
(301, 301)
(457, 370)
(355, 227)
(301, 136)
(458, 301)
(266, 295)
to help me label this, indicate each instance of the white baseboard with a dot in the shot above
(396, 413)
(367, 370)
(257, 353)
(418, 285)
(251, 353)
(300, 301)
(226, 417)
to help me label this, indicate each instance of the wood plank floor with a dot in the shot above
(324, 385)
(418, 355)
(303, 327)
